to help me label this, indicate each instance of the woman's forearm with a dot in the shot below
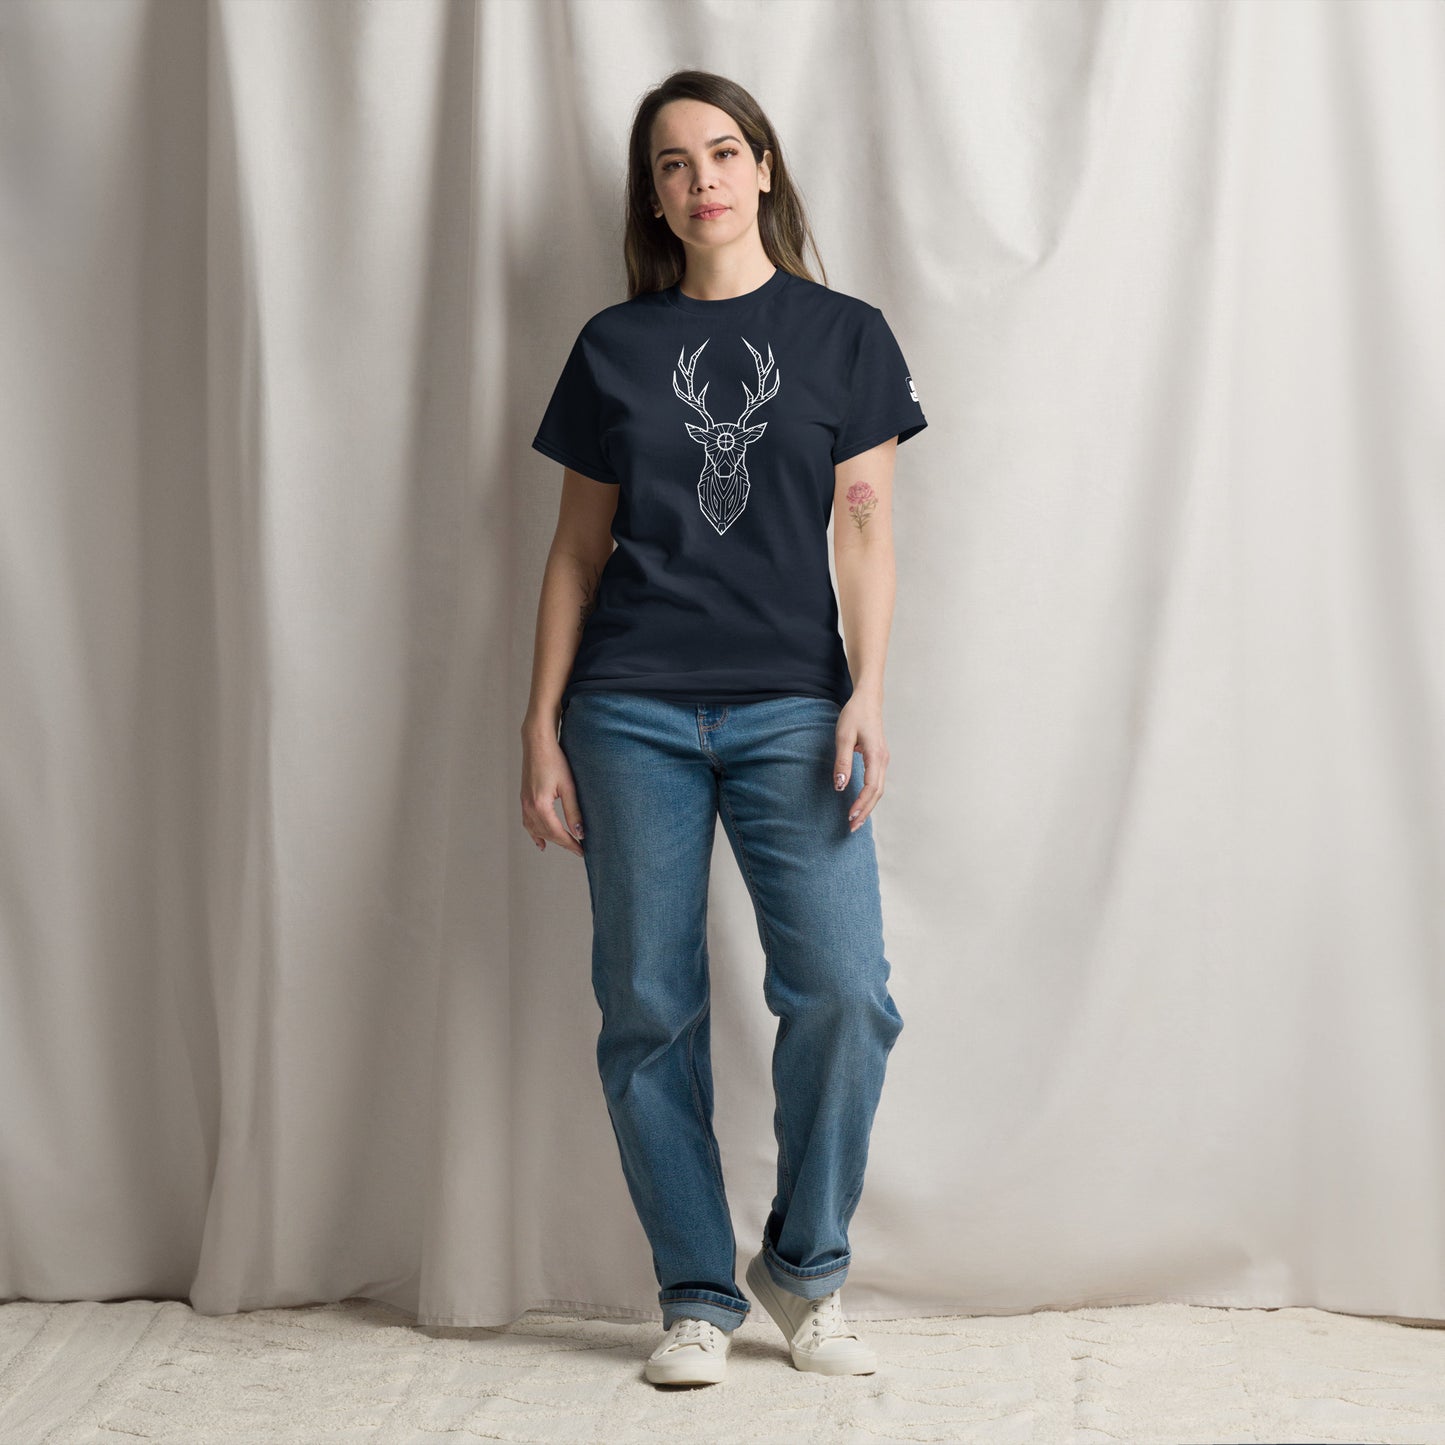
(863, 557)
(569, 595)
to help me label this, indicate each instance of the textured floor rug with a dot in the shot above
(357, 1371)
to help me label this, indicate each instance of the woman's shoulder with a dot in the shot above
(832, 307)
(618, 316)
(829, 295)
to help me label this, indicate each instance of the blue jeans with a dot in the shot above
(652, 777)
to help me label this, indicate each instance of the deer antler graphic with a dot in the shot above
(754, 402)
(687, 368)
(723, 487)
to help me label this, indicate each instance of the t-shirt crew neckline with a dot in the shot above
(727, 305)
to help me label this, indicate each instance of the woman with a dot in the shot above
(710, 424)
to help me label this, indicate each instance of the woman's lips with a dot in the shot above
(709, 213)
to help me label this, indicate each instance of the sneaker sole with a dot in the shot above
(860, 1361)
(686, 1372)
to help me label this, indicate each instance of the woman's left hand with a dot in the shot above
(860, 729)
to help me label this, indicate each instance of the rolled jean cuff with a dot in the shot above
(722, 1310)
(811, 1283)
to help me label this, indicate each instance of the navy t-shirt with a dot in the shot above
(721, 423)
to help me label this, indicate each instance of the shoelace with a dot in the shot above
(826, 1318)
(689, 1331)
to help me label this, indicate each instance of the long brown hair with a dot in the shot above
(655, 257)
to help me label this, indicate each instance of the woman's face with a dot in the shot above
(703, 173)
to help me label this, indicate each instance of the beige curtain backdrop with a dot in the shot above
(292, 1010)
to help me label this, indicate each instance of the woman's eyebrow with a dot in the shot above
(682, 150)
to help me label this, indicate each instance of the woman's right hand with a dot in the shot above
(547, 776)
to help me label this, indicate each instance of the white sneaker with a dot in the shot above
(692, 1352)
(818, 1336)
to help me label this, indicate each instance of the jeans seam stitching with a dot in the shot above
(768, 970)
(788, 1269)
(672, 1297)
(707, 1133)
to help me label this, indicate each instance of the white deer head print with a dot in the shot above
(722, 490)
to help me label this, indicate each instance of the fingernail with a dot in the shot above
(578, 830)
(839, 779)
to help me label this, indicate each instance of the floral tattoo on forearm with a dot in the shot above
(862, 499)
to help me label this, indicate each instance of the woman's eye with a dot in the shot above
(725, 151)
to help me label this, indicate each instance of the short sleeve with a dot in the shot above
(571, 428)
(882, 400)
